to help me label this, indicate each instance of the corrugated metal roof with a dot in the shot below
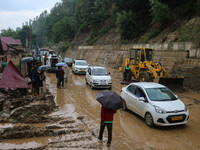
(9, 41)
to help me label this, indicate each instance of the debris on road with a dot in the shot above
(28, 116)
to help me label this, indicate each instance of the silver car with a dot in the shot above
(98, 77)
(79, 66)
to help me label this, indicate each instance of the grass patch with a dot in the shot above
(63, 46)
(189, 32)
(96, 34)
(151, 34)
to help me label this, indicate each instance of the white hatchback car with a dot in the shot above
(79, 66)
(155, 103)
(98, 77)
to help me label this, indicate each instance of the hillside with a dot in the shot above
(103, 22)
(185, 30)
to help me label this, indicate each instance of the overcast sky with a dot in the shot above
(15, 12)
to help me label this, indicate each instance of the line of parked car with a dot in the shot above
(154, 102)
(95, 76)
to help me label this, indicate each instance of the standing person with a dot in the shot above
(66, 70)
(33, 77)
(4, 65)
(36, 80)
(106, 120)
(1, 66)
(41, 79)
(60, 76)
(126, 72)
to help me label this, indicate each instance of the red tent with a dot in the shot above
(12, 78)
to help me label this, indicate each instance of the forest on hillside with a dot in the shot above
(71, 18)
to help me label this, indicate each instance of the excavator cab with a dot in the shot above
(141, 55)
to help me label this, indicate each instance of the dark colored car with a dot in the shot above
(68, 61)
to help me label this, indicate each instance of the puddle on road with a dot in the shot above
(28, 143)
(129, 130)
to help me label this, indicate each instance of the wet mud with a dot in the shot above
(73, 122)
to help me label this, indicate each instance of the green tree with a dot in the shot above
(83, 12)
(127, 25)
(9, 33)
(24, 35)
(63, 30)
(160, 13)
(132, 17)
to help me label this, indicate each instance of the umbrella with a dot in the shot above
(44, 68)
(61, 64)
(109, 99)
(26, 59)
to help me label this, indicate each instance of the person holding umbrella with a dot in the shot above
(110, 102)
(60, 76)
(106, 120)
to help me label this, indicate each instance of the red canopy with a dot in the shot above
(12, 78)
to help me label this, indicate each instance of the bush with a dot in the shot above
(96, 34)
(127, 25)
(151, 34)
(63, 46)
(160, 13)
(197, 7)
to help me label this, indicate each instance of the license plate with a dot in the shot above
(102, 83)
(177, 118)
(82, 70)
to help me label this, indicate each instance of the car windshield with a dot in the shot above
(160, 94)
(82, 63)
(99, 72)
(68, 59)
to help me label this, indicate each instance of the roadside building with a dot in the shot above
(11, 49)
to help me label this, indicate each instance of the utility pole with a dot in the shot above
(30, 37)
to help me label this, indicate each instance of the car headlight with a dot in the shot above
(110, 80)
(94, 81)
(159, 110)
(185, 109)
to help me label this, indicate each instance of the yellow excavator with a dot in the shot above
(144, 70)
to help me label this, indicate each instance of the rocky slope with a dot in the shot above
(187, 30)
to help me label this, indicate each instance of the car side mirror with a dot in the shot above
(141, 98)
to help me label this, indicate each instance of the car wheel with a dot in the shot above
(124, 105)
(149, 119)
(86, 81)
(91, 86)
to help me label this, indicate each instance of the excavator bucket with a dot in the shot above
(173, 83)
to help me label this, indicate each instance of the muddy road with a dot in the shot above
(129, 130)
